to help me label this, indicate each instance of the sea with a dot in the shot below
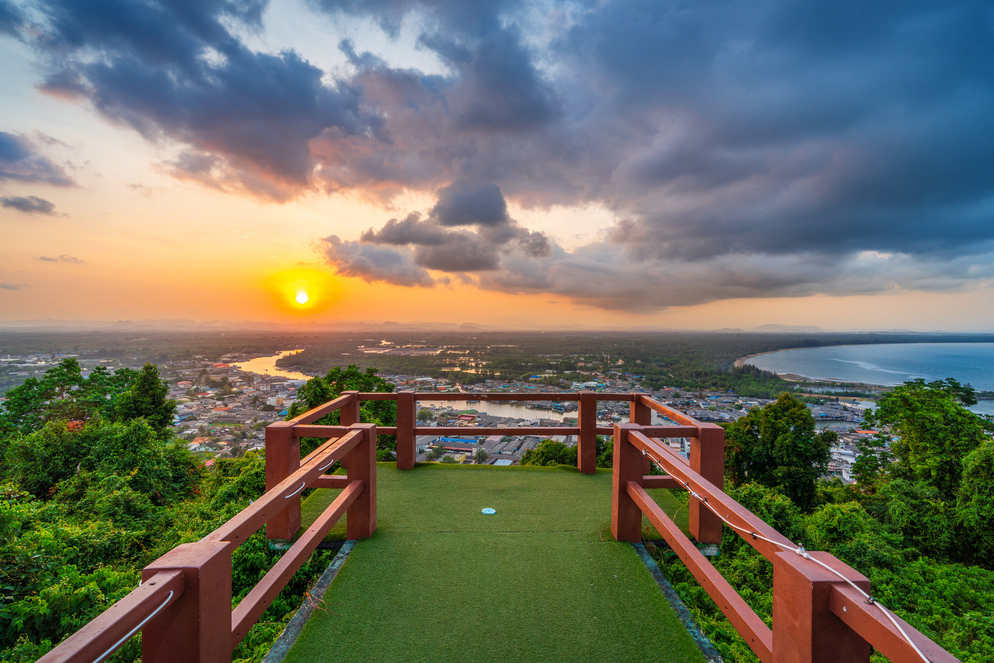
(890, 364)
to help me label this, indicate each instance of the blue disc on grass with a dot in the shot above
(488, 511)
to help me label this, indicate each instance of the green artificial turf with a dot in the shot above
(541, 580)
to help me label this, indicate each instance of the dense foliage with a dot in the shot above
(919, 528)
(320, 390)
(550, 452)
(93, 487)
(777, 446)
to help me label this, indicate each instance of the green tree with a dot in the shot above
(932, 431)
(480, 456)
(320, 390)
(63, 393)
(975, 503)
(147, 399)
(873, 462)
(424, 414)
(549, 452)
(777, 446)
(435, 452)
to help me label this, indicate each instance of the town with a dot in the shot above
(222, 409)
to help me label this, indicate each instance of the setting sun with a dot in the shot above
(303, 290)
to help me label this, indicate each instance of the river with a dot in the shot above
(267, 366)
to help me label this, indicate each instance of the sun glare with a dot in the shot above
(302, 290)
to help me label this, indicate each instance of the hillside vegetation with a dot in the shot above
(919, 522)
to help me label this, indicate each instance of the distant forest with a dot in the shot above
(676, 359)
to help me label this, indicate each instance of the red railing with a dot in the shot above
(183, 605)
(822, 609)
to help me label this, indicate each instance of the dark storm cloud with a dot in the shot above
(173, 70)
(11, 18)
(467, 203)
(833, 127)
(28, 205)
(12, 286)
(21, 162)
(771, 148)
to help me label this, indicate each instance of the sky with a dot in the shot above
(640, 164)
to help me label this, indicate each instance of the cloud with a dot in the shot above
(174, 71)
(466, 203)
(373, 263)
(28, 205)
(442, 242)
(64, 258)
(11, 18)
(744, 149)
(20, 162)
(12, 286)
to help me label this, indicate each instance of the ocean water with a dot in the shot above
(890, 364)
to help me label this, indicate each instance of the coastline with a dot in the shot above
(795, 377)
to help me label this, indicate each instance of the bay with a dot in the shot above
(889, 364)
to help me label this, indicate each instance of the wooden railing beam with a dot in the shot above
(586, 445)
(107, 632)
(406, 421)
(869, 621)
(745, 620)
(248, 611)
(735, 513)
(361, 465)
(197, 628)
(804, 628)
(282, 460)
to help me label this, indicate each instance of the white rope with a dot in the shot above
(135, 629)
(804, 553)
(302, 484)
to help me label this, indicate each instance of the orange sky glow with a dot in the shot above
(579, 207)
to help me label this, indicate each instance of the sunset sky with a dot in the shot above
(651, 164)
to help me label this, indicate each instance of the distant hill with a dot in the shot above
(789, 329)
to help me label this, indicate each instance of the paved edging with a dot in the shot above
(707, 648)
(289, 635)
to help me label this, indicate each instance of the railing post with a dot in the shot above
(626, 517)
(282, 460)
(197, 627)
(360, 520)
(639, 413)
(804, 628)
(349, 413)
(406, 417)
(707, 458)
(586, 441)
